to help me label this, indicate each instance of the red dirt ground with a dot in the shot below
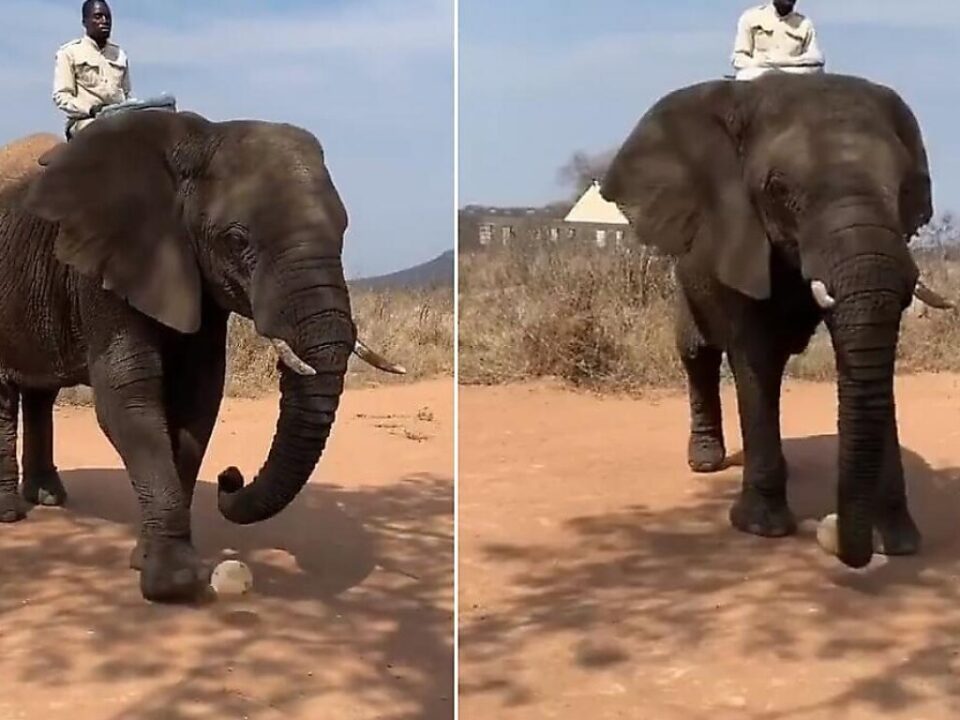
(351, 615)
(600, 579)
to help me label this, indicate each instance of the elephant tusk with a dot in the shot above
(821, 295)
(376, 360)
(290, 359)
(931, 298)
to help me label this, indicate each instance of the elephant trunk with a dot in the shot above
(864, 326)
(308, 406)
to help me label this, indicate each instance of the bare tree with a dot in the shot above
(583, 168)
(939, 238)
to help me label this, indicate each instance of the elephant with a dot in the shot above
(783, 203)
(123, 253)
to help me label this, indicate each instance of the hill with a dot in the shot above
(431, 274)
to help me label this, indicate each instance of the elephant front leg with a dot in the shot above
(706, 451)
(12, 507)
(196, 375)
(762, 507)
(897, 529)
(130, 409)
(189, 436)
(41, 481)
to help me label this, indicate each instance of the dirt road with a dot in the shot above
(351, 615)
(600, 579)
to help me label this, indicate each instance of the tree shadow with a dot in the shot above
(352, 602)
(663, 583)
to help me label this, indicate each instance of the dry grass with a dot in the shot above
(930, 344)
(598, 319)
(602, 320)
(413, 328)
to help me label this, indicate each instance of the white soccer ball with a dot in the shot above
(828, 540)
(231, 577)
(827, 534)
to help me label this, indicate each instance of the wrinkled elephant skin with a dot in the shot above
(787, 201)
(121, 260)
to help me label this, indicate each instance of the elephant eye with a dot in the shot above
(777, 188)
(236, 234)
(238, 242)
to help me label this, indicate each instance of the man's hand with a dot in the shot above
(805, 60)
(750, 62)
(743, 61)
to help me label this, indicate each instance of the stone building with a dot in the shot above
(591, 220)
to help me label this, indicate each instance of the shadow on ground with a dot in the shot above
(662, 584)
(353, 595)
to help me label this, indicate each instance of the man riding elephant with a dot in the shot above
(91, 72)
(774, 36)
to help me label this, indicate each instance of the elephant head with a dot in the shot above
(825, 176)
(164, 208)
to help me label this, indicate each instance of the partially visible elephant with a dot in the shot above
(120, 262)
(788, 201)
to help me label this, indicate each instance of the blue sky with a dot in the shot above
(372, 79)
(540, 79)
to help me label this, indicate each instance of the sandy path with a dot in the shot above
(600, 579)
(352, 611)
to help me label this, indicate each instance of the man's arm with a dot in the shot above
(125, 84)
(743, 44)
(812, 52)
(811, 56)
(65, 88)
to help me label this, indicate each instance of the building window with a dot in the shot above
(505, 233)
(486, 234)
(554, 234)
(601, 238)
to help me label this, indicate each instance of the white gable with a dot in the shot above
(592, 208)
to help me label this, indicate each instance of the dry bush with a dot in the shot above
(411, 327)
(817, 363)
(596, 318)
(602, 319)
(930, 343)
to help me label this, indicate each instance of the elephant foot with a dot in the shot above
(12, 508)
(706, 453)
(898, 534)
(44, 489)
(757, 514)
(172, 572)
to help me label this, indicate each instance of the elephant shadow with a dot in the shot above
(812, 489)
(360, 577)
(678, 578)
(314, 548)
(932, 495)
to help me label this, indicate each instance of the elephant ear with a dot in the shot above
(114, 193)
(678, 178)
(916, 193)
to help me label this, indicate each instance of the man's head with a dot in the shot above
(97, 20)
(784, 7)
